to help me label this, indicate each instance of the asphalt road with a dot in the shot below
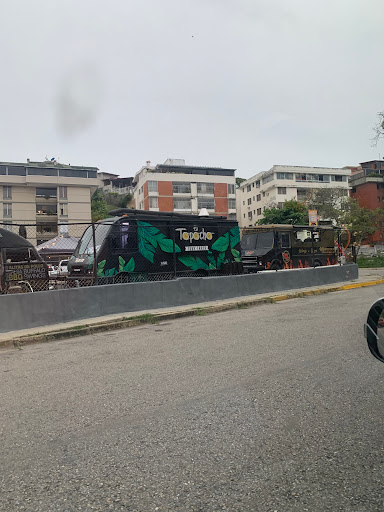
(272, 408)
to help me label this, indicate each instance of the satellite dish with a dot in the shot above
(203, 213)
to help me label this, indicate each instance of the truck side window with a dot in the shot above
(285, 241)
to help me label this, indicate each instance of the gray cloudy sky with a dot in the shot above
(233, 83)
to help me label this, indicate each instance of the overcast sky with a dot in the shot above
(244, 84)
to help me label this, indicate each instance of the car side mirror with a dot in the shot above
(374, 330)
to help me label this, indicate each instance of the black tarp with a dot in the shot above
(11, 240)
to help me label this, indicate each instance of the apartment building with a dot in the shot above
(367, 186)
(48, 194)
(113, 184)
(282, 183)
(175, 186)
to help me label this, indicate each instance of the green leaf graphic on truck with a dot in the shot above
(105, 273)
(150, 237)
(193, 262)
(126, 267)
(229, 239)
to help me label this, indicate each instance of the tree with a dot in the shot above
(99, 207)
(331, 204)
(124, 201)
(378, 128)
(239, 181)
(360, 221)
(293, 212)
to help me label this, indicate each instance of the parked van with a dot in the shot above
(21, 267)
(137, 245)
(284, 246)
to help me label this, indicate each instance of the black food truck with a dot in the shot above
(21, 267)
(137, 245)
(282, 246)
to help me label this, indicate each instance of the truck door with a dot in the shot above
(285, 248)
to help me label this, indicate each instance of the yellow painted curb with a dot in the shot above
(362, 285)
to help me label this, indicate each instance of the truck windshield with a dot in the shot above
(248, 242)
(264, 241)
(86, 242)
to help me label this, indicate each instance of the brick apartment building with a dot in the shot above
(176, 187)
(367, 186)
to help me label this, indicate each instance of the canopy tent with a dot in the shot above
(61, 244)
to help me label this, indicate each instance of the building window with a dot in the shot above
(253, 185)
(354, 190)
(250, 215)
(249, 201)
(46, 209)
(281, 190)
(209, 204)
(243, 203)
(267, 179)
(7, 210)
(232, 204)
(63, 193)
(258, 184)
(153, 202)
(318, 178)
(253, 198)
(231, 189)
(258, 211)
(232, 216)
(248, 188)
(182, 204)
(258, 197)
(63, 209)
(16, 171)
(284, 176)
(42, 172)
(336, 177)
(280, 205)
(47, 193)
(152, 186)
(46, 229)
(205, 188)
(181, 187)
(263, 194)
(141, 205)
(7, 192)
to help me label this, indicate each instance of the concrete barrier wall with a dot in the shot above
(24, 311)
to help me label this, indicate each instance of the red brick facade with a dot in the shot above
(220, 190)
(165, 188)
(221, 206)
(370, 195)
(165, 204)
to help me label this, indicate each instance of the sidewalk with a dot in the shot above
(367, 277)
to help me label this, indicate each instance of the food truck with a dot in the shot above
(284, 246)
(136, 245)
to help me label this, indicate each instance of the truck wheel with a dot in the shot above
(275, 265)
(317, 263)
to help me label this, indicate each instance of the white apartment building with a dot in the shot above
(47, 194)
(177, 187)
(282, 183)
